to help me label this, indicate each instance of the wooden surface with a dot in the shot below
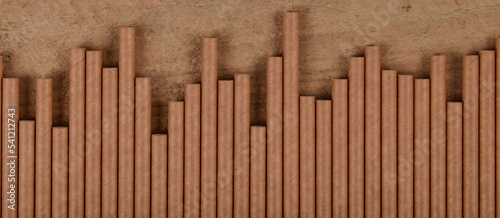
(35, 37)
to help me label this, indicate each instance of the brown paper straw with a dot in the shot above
(372, 131)
(208, 127)
(421, 148)
(274, 120)
(258, 171)
(225, 149)
(454, 159)
(76, 191)
(126, 63)
(10, 160)
(109, 142)
(291, 114)
(192, 156)
(307, 156)
(497, 123)
(175, 158)
(241, 145)
(93, 134)
(60, 172)
(356, 136)
(340, 112)
(389, 143)
(438, 136)
(43, 147)
(405, 146)
(323, 158)
(1, 77)
(470, 93)
(487, 133)
(27, 168)
(159, 175)
(143, 147)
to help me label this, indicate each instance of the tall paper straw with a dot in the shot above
(76, 200)
(109, 142)
(241, 144)
(372, 131)
(307, 156)
(126, 91)
(421, 148)
(486, 133)
(258, 171)
(356, 136)
(438, 136)
(454, 159)
(175, 158)
(323, 158)
(389, 143)
(290, 114)
(10, 147)
(60, 172)
(27, 168)
(274, 120)
(192, 137)
(93, 134)
(470, 93)
(43, 148)
(225, 149)
(159, 175)
(405, 145)
(143, 147)
(208, 127)
(340, 113)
